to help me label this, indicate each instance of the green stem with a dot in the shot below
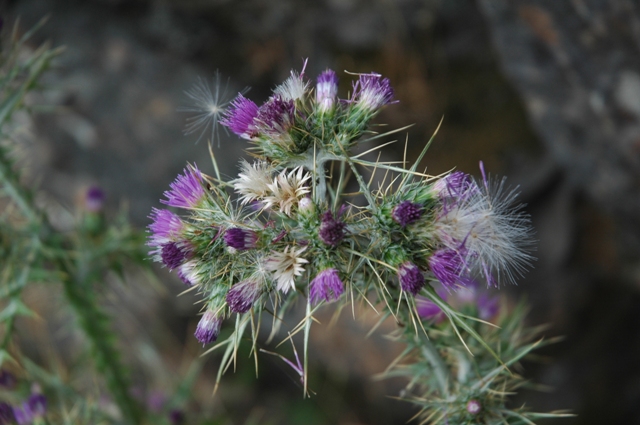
(95, 325)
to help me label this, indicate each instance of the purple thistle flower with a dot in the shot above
(241, 296)
(94, 199)
(172, 255)
(187, 190)
(241, 239)
(331, 230)
(326, 90)
(240, 116)
(371, 91)
(406, 212)
(474, 407)
(326, 285)
(411, 278)
(6, 414)
(276, 116)
(447, 265)
(488, 306)
(208, 328)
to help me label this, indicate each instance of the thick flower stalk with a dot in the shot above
(287, 229)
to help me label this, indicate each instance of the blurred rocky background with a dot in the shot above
(546, 92)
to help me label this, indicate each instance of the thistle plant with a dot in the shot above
(286, 228)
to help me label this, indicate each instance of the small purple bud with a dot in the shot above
(331, 230)
(94, 199)
(208, 328)
(240, 239)
(241, 296)
(411, 278)
(176, 417)
(186, 190)
(326, 90)
(240, 116)
(172, 255)
(406, 212)
(326, 285)
(447, 266)
(474, 407)
(488, 306)
(37, 405)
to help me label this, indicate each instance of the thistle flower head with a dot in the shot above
(253, 181)
(94, 199)
(241, 239)
(447, 266)
(411, 278)
(240, 116)
(173, 254)
(286, 266)
(187, 190)
(406, 212)
(372, 92)
(294, 87)
(326, 286)
(332, 230)
(326, 90)
(287, 189)
(241, 296)
(473, 407)
(208, 327)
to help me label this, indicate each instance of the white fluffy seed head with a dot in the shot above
(209, 100)
(491, 234)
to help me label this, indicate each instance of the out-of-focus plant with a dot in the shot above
(293, 231)
(74, 262)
